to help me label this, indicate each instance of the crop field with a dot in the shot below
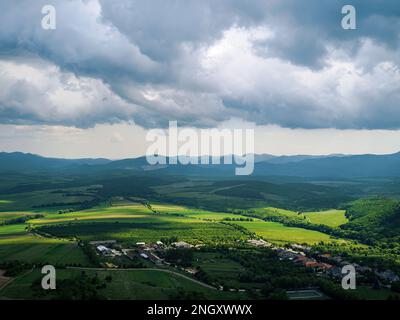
(271, 211)
(194, 213)
(330, 218)
(220, 268)
(12, 229)
(101, 213)
(32, 199)
(148, 229)
(278, 233)
(33, 249)
(4, 216)
(125, 284)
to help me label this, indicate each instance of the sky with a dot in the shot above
(114, 69)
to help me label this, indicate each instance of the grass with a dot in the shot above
(116, 213)
(27, 200)
(13, 215)
(194, 213)
(368, 293)
(330, 218)
(271, 211)
(149, 229)
(12, 229)
(125, 284)
(33, 249)
(278, 233)
(220, 268)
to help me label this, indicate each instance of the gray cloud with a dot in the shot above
(201, 62)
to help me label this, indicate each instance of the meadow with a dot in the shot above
(330, 218)
(278, 233)
(33, 249)
(135, 222)
(124, 285)
(148, 230)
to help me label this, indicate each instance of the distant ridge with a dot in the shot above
(331, 166)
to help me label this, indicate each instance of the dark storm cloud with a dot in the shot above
(201, 62)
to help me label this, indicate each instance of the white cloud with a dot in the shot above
(42, 93)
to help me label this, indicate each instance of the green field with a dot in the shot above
(125, 284)
(278, 233)
(369, 293)
(101, 213)
(330, 218)
(33, 249)
(4, 216)
(149, 229)
(194, 213)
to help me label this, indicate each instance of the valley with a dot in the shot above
(128, 234)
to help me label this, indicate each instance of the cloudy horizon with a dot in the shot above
(112, 70)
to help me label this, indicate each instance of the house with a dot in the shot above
(325, 256)
(335, 272)
(311, 264)
(388, 276)
(102, 249)
(182, 245)
(259, 243)
(116, 252)
(300, 259)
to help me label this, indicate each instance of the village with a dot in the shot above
(326, 264)
(322, 264)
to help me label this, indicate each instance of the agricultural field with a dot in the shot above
(330, 218)
(149, 229)
(278, 233)
(194, 213)
(4, 216)
(124, 285)
(271, 211)
(131, 211)
(220, 267)
(12, 229)
(37, 199)
(33, 249)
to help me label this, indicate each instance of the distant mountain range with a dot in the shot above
(330, 166)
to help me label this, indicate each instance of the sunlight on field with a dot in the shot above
(330, 218)
(278, 233)
(30, 248)
(195, 213)
(118, 212)
(13, 215)
(12, 229)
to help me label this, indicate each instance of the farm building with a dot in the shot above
(102, 249)
(182, 245)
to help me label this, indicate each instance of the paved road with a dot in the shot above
(148, 269)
